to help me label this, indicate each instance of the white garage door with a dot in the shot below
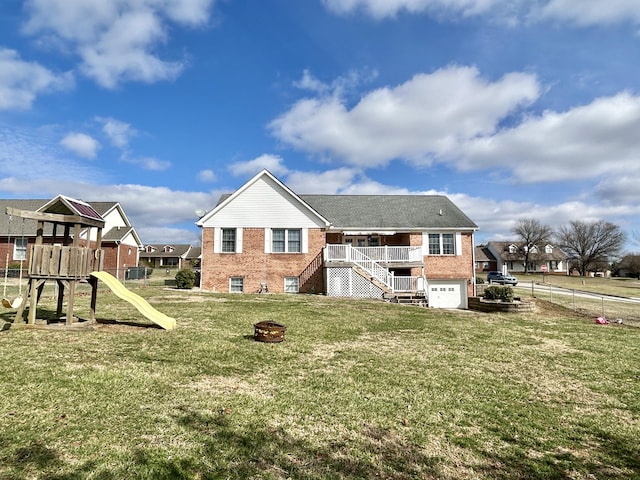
(447, 294)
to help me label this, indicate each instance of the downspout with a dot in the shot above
(473, 264)
(118, 259)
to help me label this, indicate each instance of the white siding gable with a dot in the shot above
(130, 240)
(264, 204)
(112, 219)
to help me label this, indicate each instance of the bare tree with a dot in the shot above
(631, 263)
(588, 245)
(532, 233)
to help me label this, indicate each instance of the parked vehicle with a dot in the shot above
(501, 278)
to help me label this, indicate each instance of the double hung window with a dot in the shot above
(228, 240)
(286, 240)
(442, 244)
(20, 249)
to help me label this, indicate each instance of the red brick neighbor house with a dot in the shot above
(264, 237)
(120, 242)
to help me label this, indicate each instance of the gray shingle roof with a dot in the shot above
(116, 234)
(389, 211)
(179, 249)
(503, 249)
(398, 212)
(483, 254)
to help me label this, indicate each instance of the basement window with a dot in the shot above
(291, 285)
(236, 284)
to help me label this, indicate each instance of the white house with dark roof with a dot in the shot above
(510, 257)
(171, 255)
(264, 237)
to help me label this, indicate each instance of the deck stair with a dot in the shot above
(371, 265)
(374, 280)
(409, 298)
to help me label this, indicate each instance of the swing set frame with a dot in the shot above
(17, 301)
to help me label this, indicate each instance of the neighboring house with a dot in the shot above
(510, 257)
(120, 242)
(162, 255)
(264, 237)
(485, 261)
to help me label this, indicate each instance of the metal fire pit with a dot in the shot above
(269, 331)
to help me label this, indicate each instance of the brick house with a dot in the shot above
(264, 237)
(120, 242)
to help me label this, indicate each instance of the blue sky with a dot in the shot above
(512, 108)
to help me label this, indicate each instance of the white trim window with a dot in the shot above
(291, 284)
(442, 244)
(286, 240)
(236, 284)
(227, 240)
(20, 249)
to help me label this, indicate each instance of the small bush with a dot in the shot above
(185, 279)
(495, 292)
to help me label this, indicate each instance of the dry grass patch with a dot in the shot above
(358, 389)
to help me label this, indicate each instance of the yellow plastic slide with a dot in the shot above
(136, 300)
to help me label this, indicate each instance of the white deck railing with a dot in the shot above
(409, 284)
(368, 259)
(386, 254)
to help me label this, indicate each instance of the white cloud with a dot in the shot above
(273, 163)
(21, 81)
(149, 163)
(81, 144)
(417, 121)
(585, 142)
(119, 133)
(311, 83)
(327, 182)
(207, 176)
(592, 12)
(578, 12)
(165, 215)
(116, 40)
(619, 190)
(390, 8)
(338, 87)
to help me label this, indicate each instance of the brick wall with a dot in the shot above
(117, 258)
(5, 248)
(453, 266)
(255, 266)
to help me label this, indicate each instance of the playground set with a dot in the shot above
(71, 257)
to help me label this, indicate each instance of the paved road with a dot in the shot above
(578, 293)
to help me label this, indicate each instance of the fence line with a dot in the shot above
(590, 304)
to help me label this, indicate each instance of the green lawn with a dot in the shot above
(359, 389)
